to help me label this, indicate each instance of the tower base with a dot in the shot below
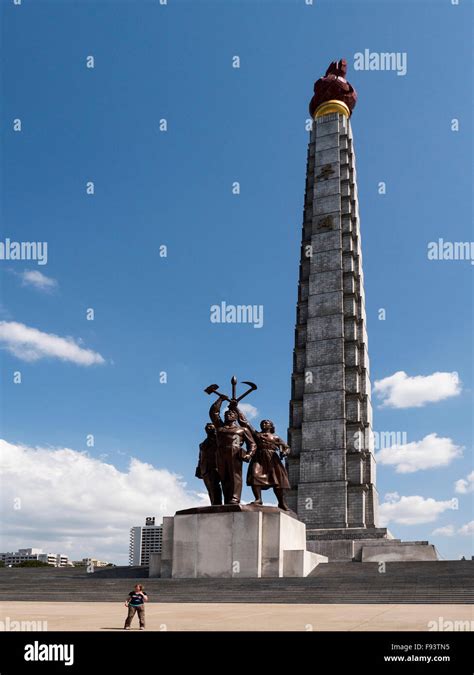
(361, 544)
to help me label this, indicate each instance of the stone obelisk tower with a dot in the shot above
(332, 470)
(332, 467)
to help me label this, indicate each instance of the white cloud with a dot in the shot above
(446, 531)
(402, 391)
(71, 502)
(31, 344)
(465, 485)
(468, 529)
(38, 280)
(412, 510)
(250, 411)
(429, 453)
(449, 530)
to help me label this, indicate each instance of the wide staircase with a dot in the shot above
(437, 582)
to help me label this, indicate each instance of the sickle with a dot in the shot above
(249, 391)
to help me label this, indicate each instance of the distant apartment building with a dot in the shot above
(90, 561)
(143, 541)
(25, 554)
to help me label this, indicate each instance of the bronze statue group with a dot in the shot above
(233, 440)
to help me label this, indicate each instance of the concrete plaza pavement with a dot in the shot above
(110, 616)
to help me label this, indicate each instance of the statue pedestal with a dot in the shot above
(242, 541)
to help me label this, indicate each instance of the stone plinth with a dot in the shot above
(235, 541)
(399, 551)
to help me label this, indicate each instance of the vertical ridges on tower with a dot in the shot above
(332, 468)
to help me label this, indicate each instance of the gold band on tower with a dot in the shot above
(332, 106)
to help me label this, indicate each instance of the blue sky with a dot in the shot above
(175, 188)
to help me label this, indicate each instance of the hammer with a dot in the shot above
(213, 389)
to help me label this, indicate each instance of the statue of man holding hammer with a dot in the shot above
(231, 439)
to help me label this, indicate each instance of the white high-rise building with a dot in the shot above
(143, 541)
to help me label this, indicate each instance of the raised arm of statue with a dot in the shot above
(215, 412)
